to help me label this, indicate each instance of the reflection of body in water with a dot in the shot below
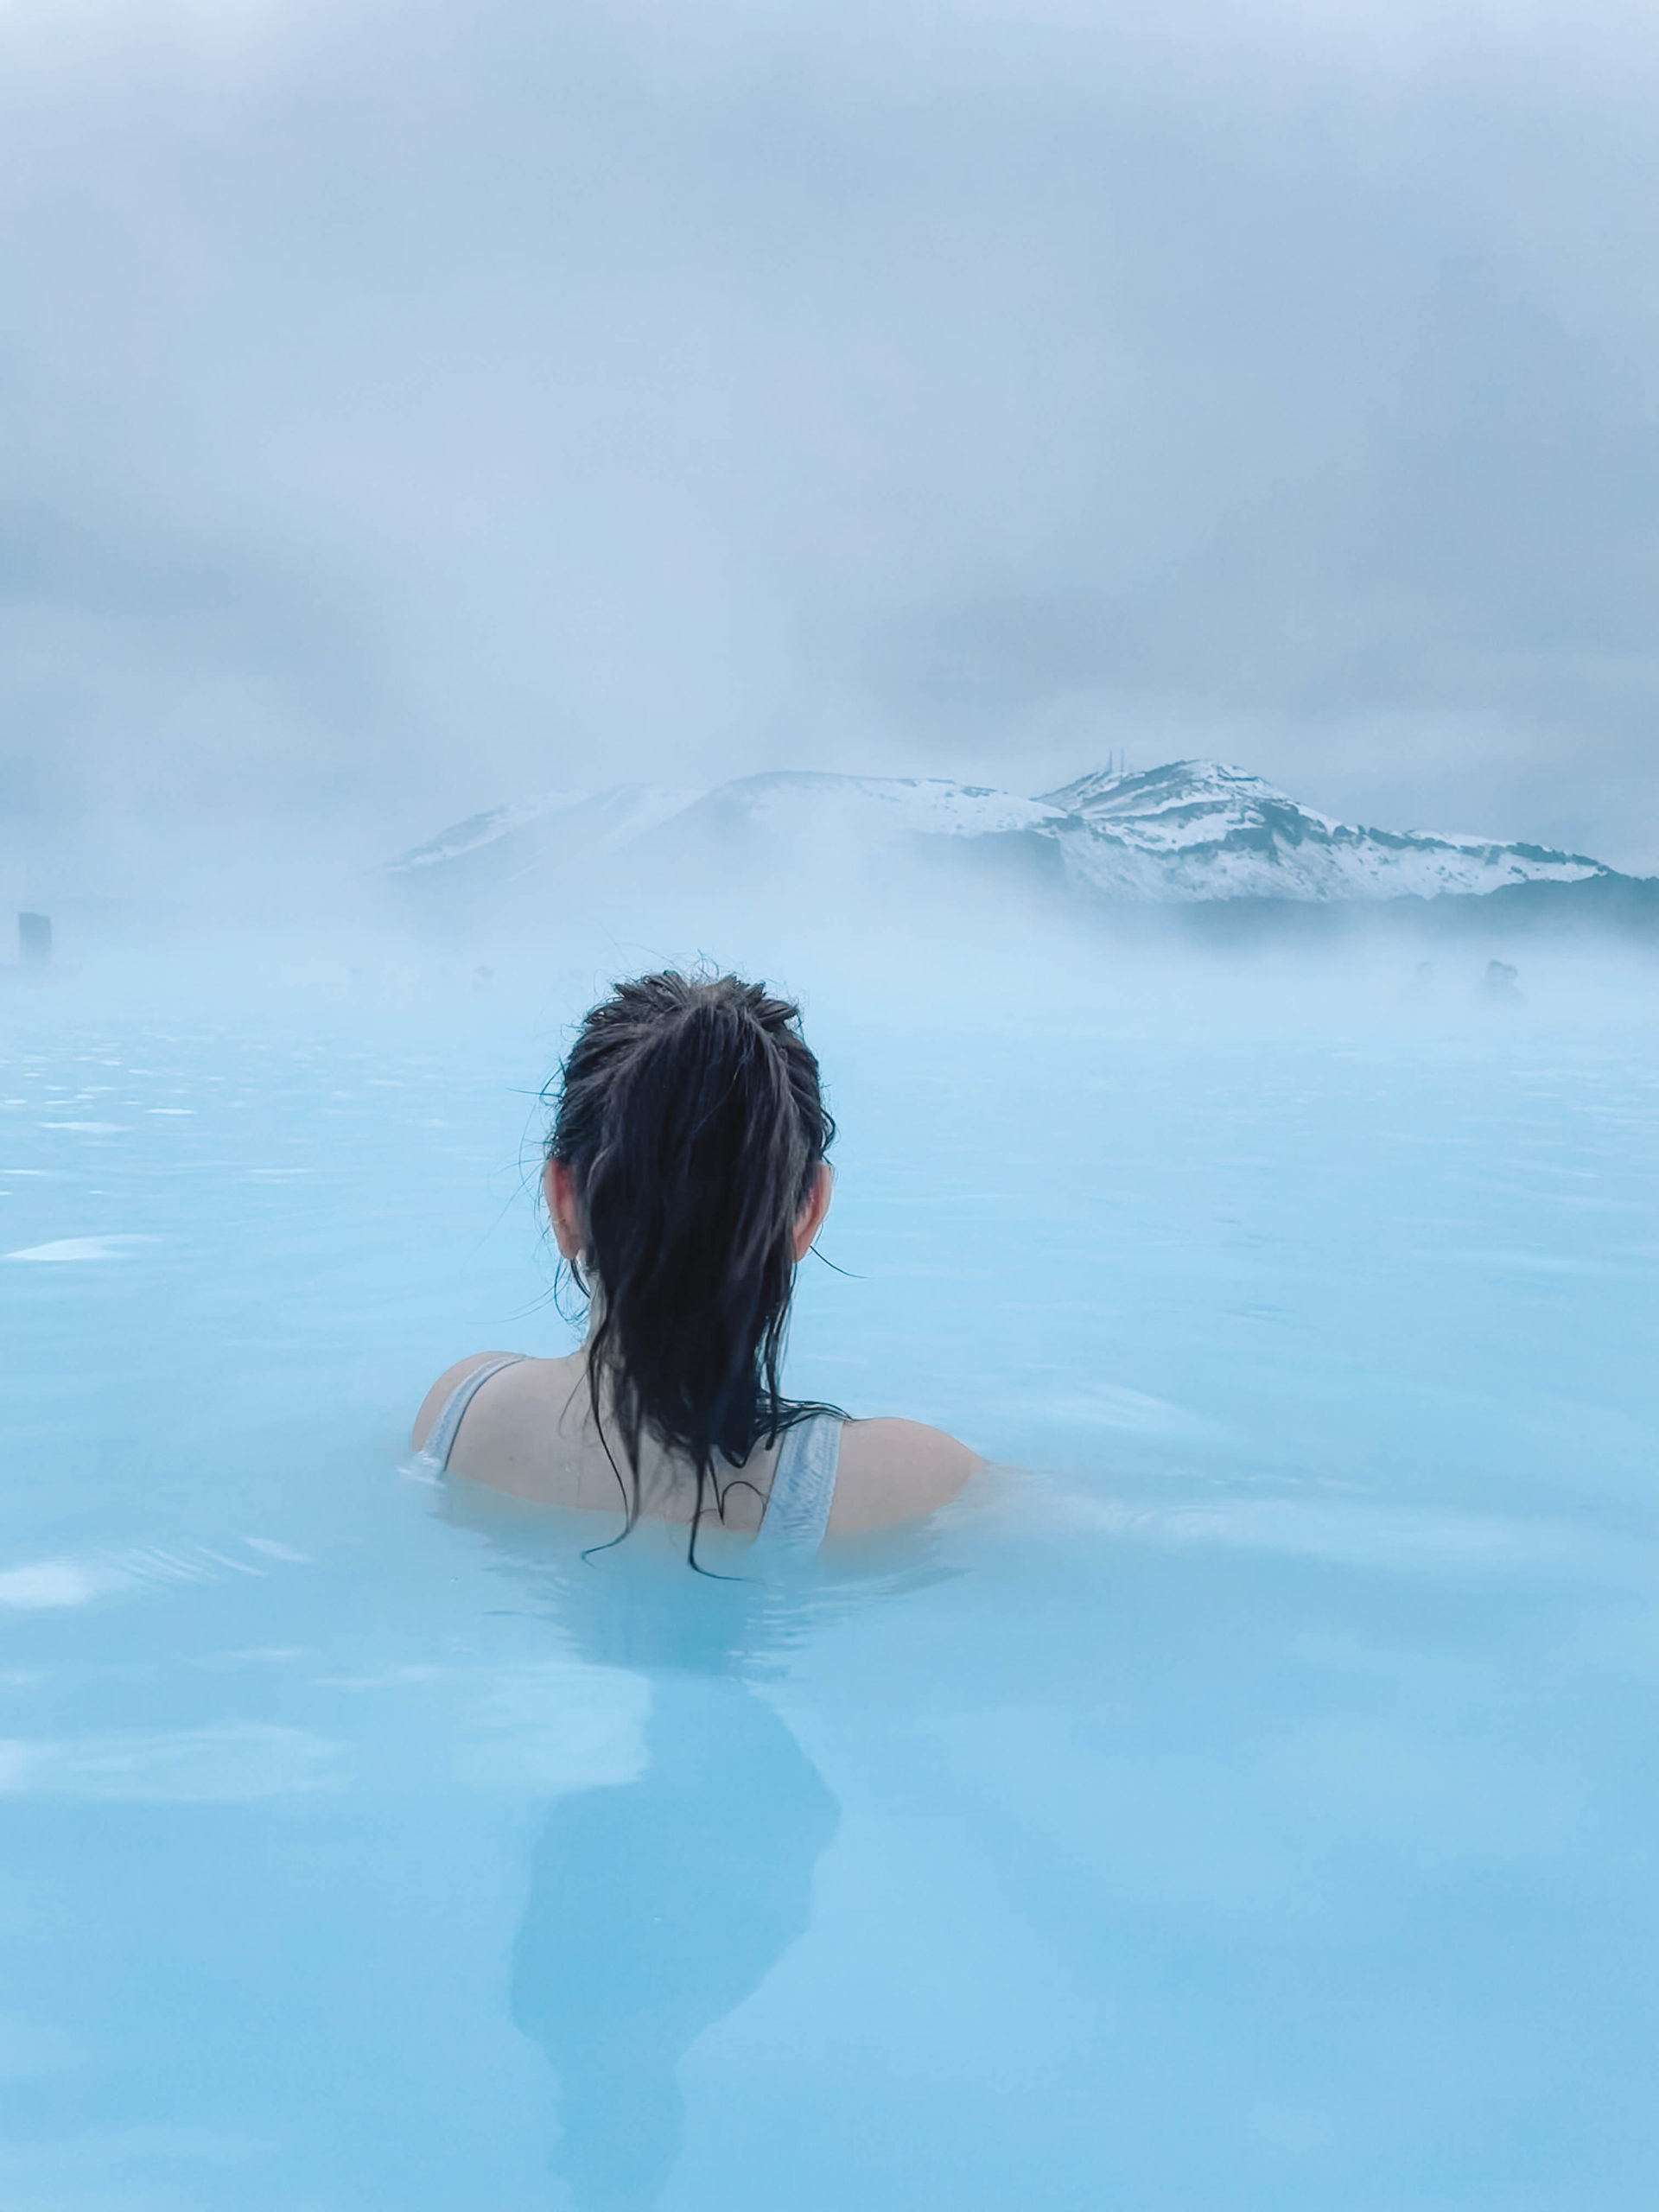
(655, 1908)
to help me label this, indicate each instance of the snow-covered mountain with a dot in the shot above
(524, 835)
(1196, 830)
(789, 800)
(1192, 830)
(484, 829)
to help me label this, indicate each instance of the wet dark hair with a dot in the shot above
(690, 1119)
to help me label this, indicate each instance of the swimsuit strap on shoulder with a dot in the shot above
(803, 1486)
(441, 1437)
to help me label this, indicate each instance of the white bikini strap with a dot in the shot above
(441, 1437)
(803, 1486)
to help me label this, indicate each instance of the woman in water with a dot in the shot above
(685, 1179)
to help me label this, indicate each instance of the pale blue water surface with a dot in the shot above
(1250, 1804)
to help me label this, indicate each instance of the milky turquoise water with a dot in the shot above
(1251, 1804)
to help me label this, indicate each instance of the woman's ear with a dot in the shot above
(811, 1219)
(559, 1189)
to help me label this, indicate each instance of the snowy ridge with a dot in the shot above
(1190, 830)
(483, 829)
(599, 825)
(924, 806)
(597, 822)
(1197, 829)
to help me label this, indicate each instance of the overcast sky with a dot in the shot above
(403, 406)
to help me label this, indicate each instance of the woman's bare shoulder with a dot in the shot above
(436, 1399)
(895, 1470)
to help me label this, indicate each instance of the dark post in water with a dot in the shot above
(34, 939)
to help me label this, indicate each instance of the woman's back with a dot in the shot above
(528, 1430)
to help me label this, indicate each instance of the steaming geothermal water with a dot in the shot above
(1251, 1804)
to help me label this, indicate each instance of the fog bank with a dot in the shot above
(405, 410)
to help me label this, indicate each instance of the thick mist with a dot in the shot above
(407, 412)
